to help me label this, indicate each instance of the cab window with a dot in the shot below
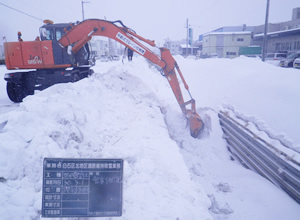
(58, 35)
(46, 34)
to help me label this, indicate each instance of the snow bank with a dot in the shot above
(111, 115)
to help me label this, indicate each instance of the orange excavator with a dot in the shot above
(61, 54)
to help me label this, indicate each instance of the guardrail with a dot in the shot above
(261, 157)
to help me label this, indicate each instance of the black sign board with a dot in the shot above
(82, 187)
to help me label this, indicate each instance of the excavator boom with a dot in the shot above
(80, 34)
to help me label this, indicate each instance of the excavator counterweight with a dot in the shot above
(64, 46)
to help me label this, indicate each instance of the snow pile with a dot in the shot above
(114, 115)
(128, 111)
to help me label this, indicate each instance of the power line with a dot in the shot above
(43, 13)
(21, 12)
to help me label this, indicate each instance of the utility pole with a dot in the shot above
(191, 40)
(187, 36)
(265, 44)
(83, 2)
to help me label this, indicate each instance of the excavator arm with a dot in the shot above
(81, 33)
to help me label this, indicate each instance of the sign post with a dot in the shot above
(82, 187)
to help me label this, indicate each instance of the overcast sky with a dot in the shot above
(155, 19)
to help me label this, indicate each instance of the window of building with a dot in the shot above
(240, 39)
(231, 53)
(277, 46)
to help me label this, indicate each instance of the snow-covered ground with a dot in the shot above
(129, 111)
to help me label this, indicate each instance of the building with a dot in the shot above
(103, 46)
(2, 57)
(99, 46)
(187, 50)
(284, 36)
(174, 46)
(225, 44)
(181, 48)
(233, 41)
(2, 53)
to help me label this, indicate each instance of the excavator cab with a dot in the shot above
(48, 57)
(54, 32)
(51, 31)
(46, 52)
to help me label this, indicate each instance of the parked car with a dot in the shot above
(104, 58)
(115, 58)
(297, 63)
(276, 56)
(289, 60)
(253, 56)
(214, 55)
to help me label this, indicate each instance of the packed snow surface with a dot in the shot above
(128, 111)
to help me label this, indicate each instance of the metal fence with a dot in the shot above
(260, 156)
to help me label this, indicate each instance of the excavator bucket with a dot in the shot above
(196, 125)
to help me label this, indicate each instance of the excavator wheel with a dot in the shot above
(17, 92)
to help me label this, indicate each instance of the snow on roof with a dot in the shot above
(228, 33)
(277, 32)
(184, 46)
